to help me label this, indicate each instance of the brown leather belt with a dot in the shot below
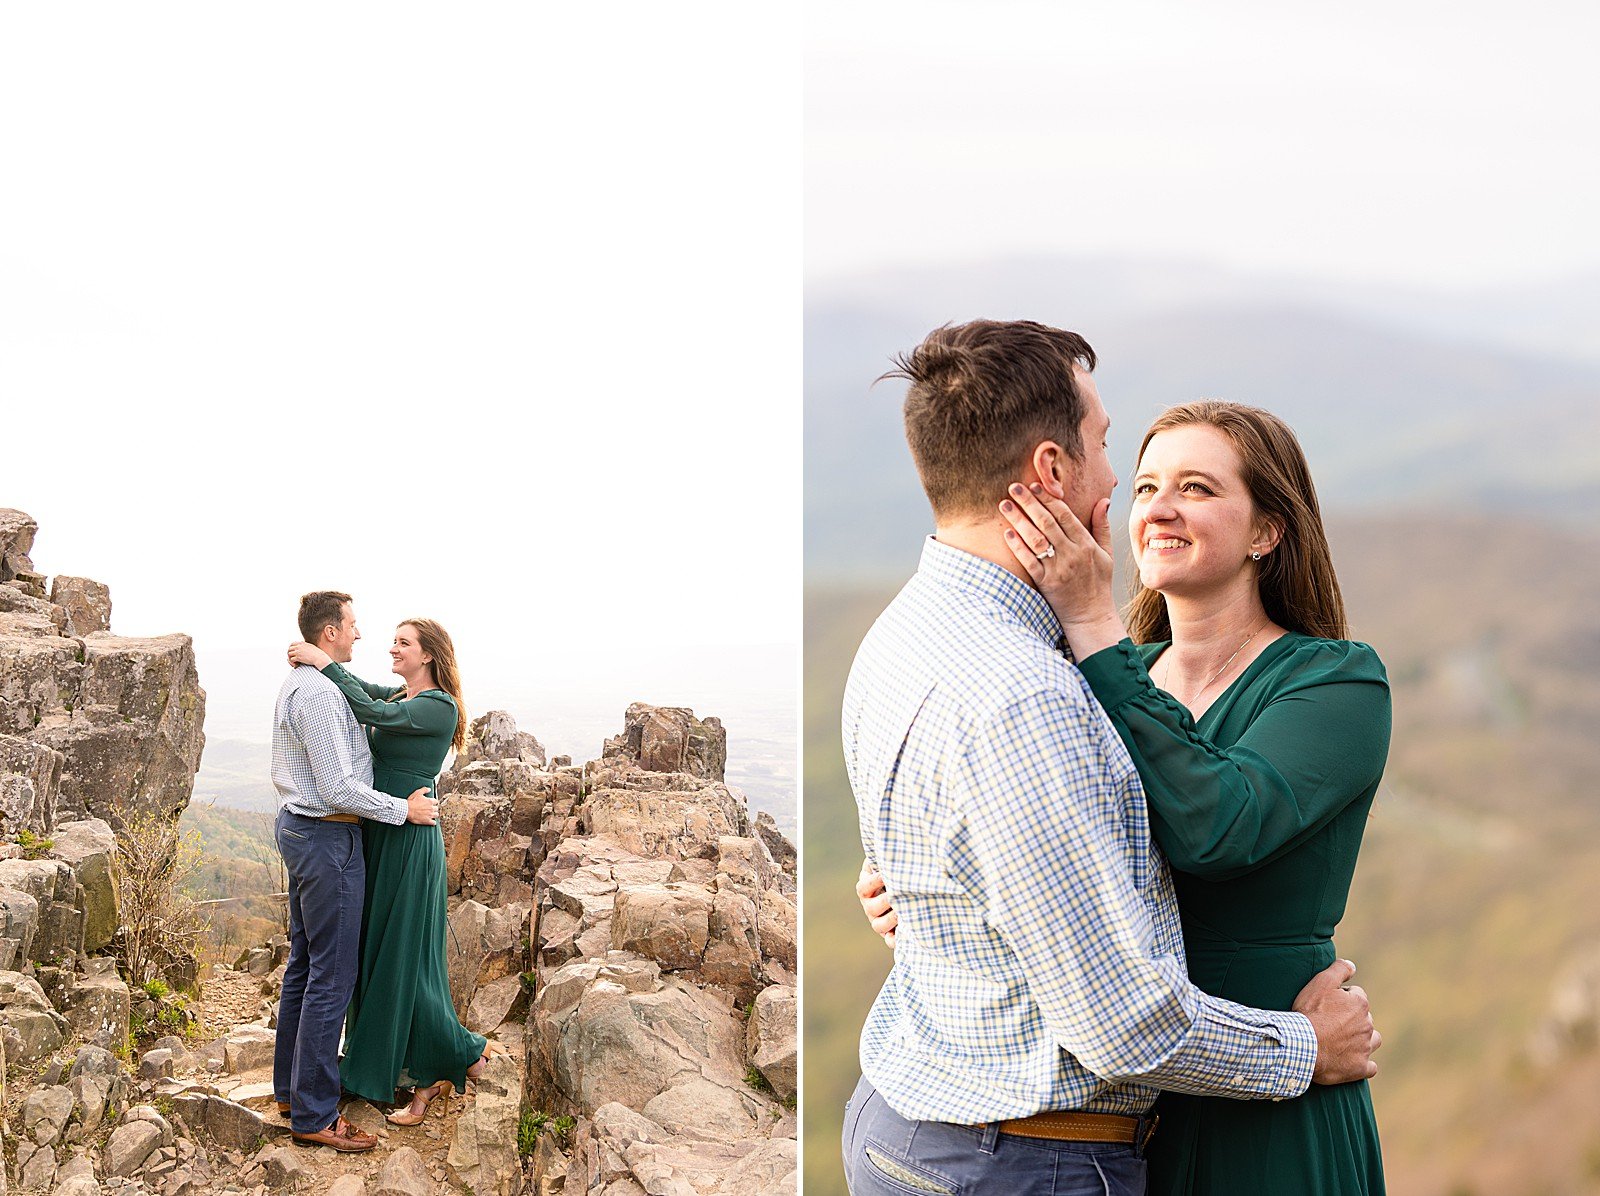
(1084, 1127)
(340, 818)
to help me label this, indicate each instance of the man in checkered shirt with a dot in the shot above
(322, 769)
(1039, 997)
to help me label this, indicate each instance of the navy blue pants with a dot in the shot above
(327, 886)
(886, 1155)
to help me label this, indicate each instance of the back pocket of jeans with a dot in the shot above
(907, 1177)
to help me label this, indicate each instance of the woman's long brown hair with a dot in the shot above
(1296, 580)
(436, 642)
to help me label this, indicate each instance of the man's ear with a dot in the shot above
(1050, 462)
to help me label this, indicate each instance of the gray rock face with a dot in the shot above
(487, 945)
(45, 1113)
(770, 1038)
(17, 530)
(53, 885)
(133, 739)
(88, 847)
(19, 923)
(483, 1154)
(97, 1008)
(30, 775)
(32, 1028)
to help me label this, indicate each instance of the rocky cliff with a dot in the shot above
(623, 926)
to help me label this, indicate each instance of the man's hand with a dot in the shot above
(875, 903)
(1341, 1017)
(422, 809)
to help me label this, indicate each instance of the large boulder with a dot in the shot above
(54, 886)
(40, 675)
(87, 604)
(89, 846)
(133, 740)
(618, 1031)
(487, 944)
(483, 1154)
(17, 529)
(29, 1025)
(97, 1007)
(670, 739)
(770, 1040)
(494, 736)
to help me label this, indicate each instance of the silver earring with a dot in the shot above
(1255, 556)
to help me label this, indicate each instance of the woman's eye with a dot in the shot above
(1198, 486)
(1143, 488)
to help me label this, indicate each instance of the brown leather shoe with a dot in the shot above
(341, 1135)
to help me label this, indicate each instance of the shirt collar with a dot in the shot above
(961, 570)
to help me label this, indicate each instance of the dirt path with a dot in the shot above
(229, 999)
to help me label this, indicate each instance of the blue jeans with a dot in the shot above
(886, 1155)
(327, 886)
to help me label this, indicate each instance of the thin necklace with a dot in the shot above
(1166, 674)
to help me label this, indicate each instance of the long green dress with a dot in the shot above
(401, 1029)
(1260, 807)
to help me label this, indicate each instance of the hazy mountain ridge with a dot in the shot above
(1388, 412)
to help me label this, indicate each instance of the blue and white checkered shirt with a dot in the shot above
(321, 764)
(1039, 960)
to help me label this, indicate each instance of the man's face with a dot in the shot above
(343, 637)
(1092, 478)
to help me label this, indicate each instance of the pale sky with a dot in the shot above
(1423, 143)
(487, 312)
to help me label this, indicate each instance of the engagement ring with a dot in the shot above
(1049, 551)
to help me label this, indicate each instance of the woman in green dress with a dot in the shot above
(1260, 733)
(401, 1030)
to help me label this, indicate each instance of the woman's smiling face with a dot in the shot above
(1193, 523)
(406, 651)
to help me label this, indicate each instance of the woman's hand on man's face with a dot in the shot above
(1069, 563)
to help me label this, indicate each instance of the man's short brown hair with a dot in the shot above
(982, 395)
(319, 609)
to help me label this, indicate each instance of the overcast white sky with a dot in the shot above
(488, 312)
(1424, 143)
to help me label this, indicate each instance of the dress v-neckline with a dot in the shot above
(1266, 653)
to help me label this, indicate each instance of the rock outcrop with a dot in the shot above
(624, 928)
(652, 983)
(92, 725)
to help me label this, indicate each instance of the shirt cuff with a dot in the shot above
(1116, 674)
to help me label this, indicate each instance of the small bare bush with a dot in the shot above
(161, 922)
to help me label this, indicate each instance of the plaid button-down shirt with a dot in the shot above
(320, 760)
(1039, 959)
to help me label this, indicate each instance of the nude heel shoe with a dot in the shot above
(426, 1097)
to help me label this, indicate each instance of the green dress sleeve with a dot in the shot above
(1319, 742)
(432, 712)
